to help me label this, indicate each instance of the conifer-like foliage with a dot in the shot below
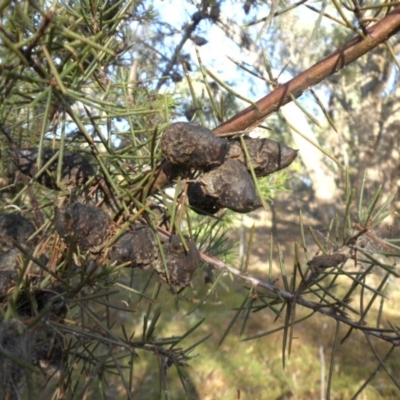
(111, 209)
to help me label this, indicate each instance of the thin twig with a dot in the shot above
(294, 297)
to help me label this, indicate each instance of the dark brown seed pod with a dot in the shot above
(138, 246)
(47, 350)
(40, 345)
(8, 274)
(327, 260)
(14, 227)
(200, 202)
(76, 170)
(192, 145)
(232, 186)
(52, 300)
(89, 227)
(267, 156)
(13, 340)
(181, 264)
(199, 41)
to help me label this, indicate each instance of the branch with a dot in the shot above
(251, 117)
(189, 29)
(294, 297)
(290, 297)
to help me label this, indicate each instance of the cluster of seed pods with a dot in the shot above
(225, 165)
(224, 180)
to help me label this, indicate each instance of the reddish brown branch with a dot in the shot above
(251, 117)
(283, 94)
